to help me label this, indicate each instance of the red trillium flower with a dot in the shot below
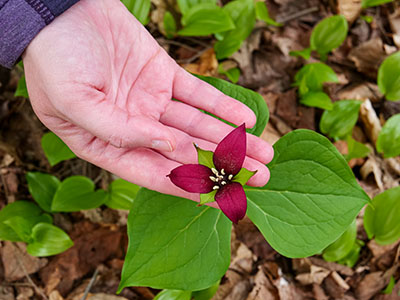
(219, 176)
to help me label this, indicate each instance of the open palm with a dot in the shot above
(99, 80)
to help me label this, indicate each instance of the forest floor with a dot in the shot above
(256, 270)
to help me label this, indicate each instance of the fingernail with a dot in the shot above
(161, 145)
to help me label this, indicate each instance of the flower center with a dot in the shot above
(220, 178)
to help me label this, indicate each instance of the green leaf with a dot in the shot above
(207, 198)
(174, 295)
(243, 15)
(370, 3)
(139, 8)
(23, 225)
(77, 193)
(205, 19)
(367, 19)
(389, 77)
(233, 74)
(185, 5)
(355, 149)
(55, 149)
(205, 157)
(343, 245)
(48, 240)
(42, 188)
(173, 244)
(22, 90)
(305, 53)
(352, 257)
(329, 34)
(121, 194)
(381, 217)
(339, 122)
(313, 76)
(243, 176)
(169, 25)
(263, 14)
(389, 138)
(317, 99)
(311, 198)
(22, 209)
(206, 294)
(389, 288)
(252, 99)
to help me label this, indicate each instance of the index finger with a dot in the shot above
(198, 93)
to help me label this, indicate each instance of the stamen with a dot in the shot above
(215, 187)
(215, 171)
(213, 179)
(230, 176)
(222, 171)
(220, 177)
(223, 182)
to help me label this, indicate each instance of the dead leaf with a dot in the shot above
(342, 269)
(102, 296)
(270, 134)
(350, 9)
(371, 166)
(263, 289)
(333, 288)
(394, 21)
(370, 121)
(368, 56)
(361, 91)
(374, 282)
(294, 114)
(243, 259)
(18, 263)
(380, 250)
(24, 293)
(92, 246)
(55, 295)
(316, 275)
(6, 293)
(207, 64)
(319, 292)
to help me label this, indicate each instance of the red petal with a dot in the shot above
(232, 201)
(192, 178)
(231, 151)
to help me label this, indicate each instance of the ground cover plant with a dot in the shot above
(326, 224)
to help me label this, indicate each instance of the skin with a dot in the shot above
(100, 81)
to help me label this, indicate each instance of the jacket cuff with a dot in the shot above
(21, 21)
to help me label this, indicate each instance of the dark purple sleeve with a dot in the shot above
(21, 21)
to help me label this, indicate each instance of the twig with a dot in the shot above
(37, 289)
(297, 15)
(195, 41)
(176, 43)
(194, 57)
(91, 282)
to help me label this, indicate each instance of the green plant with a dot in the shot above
(233, 74)
(355, 149)
(310, 80)
(24, 221)
(338, 123)
(381, 218)
(139, 8)
(326, 36)
(371, 3)
(389, 77)
(55, 149)
(389, 138)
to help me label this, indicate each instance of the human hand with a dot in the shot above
(99, 80)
